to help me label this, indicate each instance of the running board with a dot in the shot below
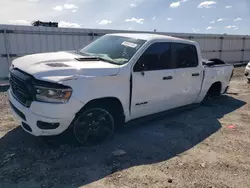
(161, 115)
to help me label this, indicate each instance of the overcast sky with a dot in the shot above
(199, 16)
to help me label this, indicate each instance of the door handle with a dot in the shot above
(167, 78)
(196, 74)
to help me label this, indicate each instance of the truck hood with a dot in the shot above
(59, 66)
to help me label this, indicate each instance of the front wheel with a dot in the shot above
(93, 126)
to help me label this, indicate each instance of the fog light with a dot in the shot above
(26, 127)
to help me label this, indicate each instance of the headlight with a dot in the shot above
(53, 95)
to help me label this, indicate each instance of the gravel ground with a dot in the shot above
(207, 146)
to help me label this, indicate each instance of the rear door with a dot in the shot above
(188, 72)
(152, 81)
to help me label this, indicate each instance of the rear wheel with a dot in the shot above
(213, 92)
(93, 126)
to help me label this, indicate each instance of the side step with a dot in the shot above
(161, 115)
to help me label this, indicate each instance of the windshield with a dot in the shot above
(113, 48)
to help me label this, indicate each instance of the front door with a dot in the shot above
(153, 88)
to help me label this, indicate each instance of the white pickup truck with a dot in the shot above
(115, 79)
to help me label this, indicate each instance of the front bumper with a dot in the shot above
(50, 114)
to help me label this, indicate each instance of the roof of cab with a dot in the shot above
(150, 36)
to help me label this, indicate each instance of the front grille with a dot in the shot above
(21, 87)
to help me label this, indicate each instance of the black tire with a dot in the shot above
(212, 93)
(206, 99)
(93, 125)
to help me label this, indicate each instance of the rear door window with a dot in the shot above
(184, 55)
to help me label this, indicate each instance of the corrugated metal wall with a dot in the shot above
(16, 41)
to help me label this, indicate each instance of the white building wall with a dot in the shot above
(16, 41)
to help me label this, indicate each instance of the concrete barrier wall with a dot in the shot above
(16, 41)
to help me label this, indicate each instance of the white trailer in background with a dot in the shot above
(18, 41)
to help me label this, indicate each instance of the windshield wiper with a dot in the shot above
(106, 60)
(81, 53)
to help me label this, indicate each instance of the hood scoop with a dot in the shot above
(88, 58)
(57, 65)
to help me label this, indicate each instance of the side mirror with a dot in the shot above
(140, 65)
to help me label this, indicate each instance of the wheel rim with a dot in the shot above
(93, 126)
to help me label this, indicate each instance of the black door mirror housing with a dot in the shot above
(140, 66)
